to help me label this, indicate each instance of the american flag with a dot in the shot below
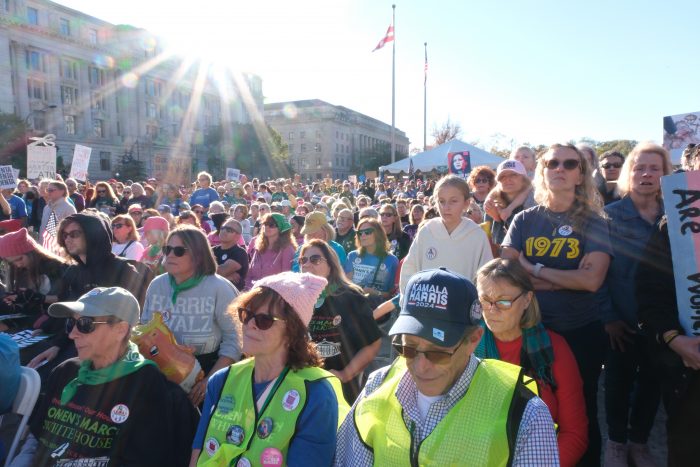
(48, 237)
(425, 79)
(387, 38)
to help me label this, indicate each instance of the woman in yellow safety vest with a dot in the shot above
(276, 407)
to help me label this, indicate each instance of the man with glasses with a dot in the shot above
(57, 205)
(438, 404)
(108, 406)
(345, 230)
(231, 259)
(610, 165)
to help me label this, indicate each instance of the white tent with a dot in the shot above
(437, 158)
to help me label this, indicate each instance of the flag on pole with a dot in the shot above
(48, 236)
(387, 38)
(425, 70)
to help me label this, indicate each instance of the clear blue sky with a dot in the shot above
(533, 71)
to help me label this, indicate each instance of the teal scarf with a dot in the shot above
(536, 354)
(186, 285)
(130, 362)
(329, 290)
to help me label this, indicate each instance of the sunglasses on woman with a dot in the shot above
(313, 259)
(178, 251)
(262, 321)
(438, 357)
(270, 224)
(365, 232)
(85, 324)
(568, 164)
(117, 226)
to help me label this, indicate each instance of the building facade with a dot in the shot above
(327, 140)
(112, 88)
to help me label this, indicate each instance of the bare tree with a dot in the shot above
(446, 132)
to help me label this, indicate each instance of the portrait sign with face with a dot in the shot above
(459, 163)
(680, 131)
(682, 200)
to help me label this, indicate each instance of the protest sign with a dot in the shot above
(681, 194)
(41, 162)
(7, 177)
(232, 174)
(81, 162)
(175, 170)
(680, 131)
(15, 173)
(459, 163)
(352, 178)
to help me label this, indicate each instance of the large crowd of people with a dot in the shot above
(423, 320)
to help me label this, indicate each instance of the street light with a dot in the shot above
(43, 109)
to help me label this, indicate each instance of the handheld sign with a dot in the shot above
(232, 174)
(459, 163)
(682, 202)
(7, 177)
(81, 162)
(41, 162)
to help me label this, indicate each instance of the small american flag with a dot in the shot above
(48, 237)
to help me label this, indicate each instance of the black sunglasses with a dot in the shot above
(262, 321)
(101, 192)
(72, 234)
(611, 165)
(313, 259)
(229, 230)
(272, 224)
(433, 356)
(117, 226)
(86, 324)
(568, 164)
(176, 250)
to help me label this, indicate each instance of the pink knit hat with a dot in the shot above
(300, 290)
(156, 223)
(16, 243)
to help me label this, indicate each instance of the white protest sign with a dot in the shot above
(7, 177)
(15, 173)
(232, 174)
(81, 162)
(41, 162)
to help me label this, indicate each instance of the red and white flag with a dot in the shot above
(387, 38)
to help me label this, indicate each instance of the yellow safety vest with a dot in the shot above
(474, 431)
(237, 431)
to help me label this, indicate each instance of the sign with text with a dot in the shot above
(680, 131)
(7, 177)
(176, 170)
(81, 162)
(459, 163)
(682, 202)
(233, 175)
(41, 162)
(352, 178)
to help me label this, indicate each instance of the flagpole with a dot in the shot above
(393, 86)
(425, 100)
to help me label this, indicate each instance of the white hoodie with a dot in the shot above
(463, 251)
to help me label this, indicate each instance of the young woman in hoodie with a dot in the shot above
(449, 241)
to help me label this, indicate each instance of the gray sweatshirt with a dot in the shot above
(198, 319)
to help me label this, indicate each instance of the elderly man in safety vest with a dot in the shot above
(438, 404)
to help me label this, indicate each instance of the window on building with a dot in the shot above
(95, 76)
(119, 129)
(302, 134)
(152, 131)
(69, 95)
(153, 88)
(151, 110)
(318, 134)
(173, 128)
(39, 120)
(105, 160)
(6, 5)
(69, 69)
(37, 89)
(303, 148)
(69, 124)
(65, 27)
(290, 147)
(317, 147)
(32, 16)
(98, 128)
(92, 36)
(291, 136)
(318, 161)
(36, 61)
(98, 102)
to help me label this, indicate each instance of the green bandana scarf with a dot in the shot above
(131, 362)
(186, 285)
(330, 290)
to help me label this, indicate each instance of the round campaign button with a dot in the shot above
(211, 446)
(271, 457)
(265, 427)
(290, 400)
(243, 462)
(235, 434)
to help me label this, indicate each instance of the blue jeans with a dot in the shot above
(632, 393)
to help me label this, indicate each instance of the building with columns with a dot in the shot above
(112, 88)
(327, 140)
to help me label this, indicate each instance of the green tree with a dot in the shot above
(13, 134)
(130, 168)
(624, 146)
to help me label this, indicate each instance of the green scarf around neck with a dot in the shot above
(186, 285)
(130, 362)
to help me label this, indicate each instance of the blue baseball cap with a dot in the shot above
(438, 305)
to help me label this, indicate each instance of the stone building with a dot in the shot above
(114, 89)
(327, 140)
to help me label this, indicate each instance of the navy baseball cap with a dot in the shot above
(438, 305)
